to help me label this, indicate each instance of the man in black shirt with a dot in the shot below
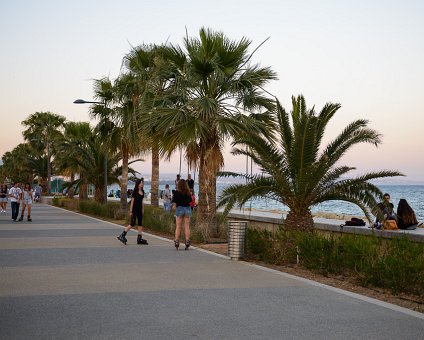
(190, 182)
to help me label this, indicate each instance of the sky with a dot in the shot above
(366, 55)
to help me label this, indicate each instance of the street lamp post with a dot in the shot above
(82, 101)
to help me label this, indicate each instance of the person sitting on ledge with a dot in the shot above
(385, 209)
(405, 215)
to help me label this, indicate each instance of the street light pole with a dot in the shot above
(82, 101)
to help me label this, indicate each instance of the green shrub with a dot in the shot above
(396, 264)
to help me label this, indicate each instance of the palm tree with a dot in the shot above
(146, 63)
(89, 157)
(19, 164)
(42, 129)
(214, 86)
(298, 172)
(76, 135)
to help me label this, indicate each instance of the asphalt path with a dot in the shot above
(66, 276)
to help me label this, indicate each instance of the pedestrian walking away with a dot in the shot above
(136, 212)
(181, 200)
(15, 194)
(37, 193)
(166, 195)
(27, 202)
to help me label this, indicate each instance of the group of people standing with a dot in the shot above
(182, 199)
(17, 194)
(405, 216)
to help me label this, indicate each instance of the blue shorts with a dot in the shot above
(183, 211)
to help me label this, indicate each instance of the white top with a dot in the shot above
(15, 194)
(166, 196)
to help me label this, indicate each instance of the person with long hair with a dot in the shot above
(27, 202)
(405, 215)
(3, 198)
(136, 212)
(181, 201)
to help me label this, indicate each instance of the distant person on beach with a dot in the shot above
(27, 202)
(181, 200)
(166, 195)
(136, 212)
(190, 182)
(15, 194)
(405, 215)
(385, 209)
(3, 198)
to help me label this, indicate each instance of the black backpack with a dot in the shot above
(355, 222)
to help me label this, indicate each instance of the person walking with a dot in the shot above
(3, 198)
(15, 194)
(166, 194)
(190, 182)
(37, 193)
(136, 212)
(181, 200)
(27, 202)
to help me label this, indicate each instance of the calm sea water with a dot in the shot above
(414, 194)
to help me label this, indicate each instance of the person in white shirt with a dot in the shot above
(166, 195)
(15, 195)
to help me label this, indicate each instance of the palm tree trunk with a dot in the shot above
(203, 214)
(71, 189)
(154, 198)
(301, 220)
(124, 178)
(99, 193)
(49, 170)
(83, 189)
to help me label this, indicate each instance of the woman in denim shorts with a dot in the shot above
(181, 200)
(27, 202)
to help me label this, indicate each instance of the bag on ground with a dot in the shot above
(355, 222)
(390, 225)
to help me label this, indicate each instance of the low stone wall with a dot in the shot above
(326, 226)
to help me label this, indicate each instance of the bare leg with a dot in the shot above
(140, 229)
(187, 227)
(178, 228)
(29, 211)
(23, 211)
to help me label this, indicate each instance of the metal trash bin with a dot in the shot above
(236, 239)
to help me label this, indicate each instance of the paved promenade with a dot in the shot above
(66, 276)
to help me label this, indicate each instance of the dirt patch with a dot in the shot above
(409, 301)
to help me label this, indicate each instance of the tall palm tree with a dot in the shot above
(76, 135)
(215, 86)
(126, 132)
(42, 128)
(152, 74)
(298, 172)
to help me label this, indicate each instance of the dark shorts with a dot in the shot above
(139, 216)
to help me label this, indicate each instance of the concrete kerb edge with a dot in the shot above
(287, 275)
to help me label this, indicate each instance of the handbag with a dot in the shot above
(390, 225)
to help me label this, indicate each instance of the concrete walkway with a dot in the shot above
(66, 276)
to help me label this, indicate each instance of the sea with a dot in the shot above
(414, 194)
